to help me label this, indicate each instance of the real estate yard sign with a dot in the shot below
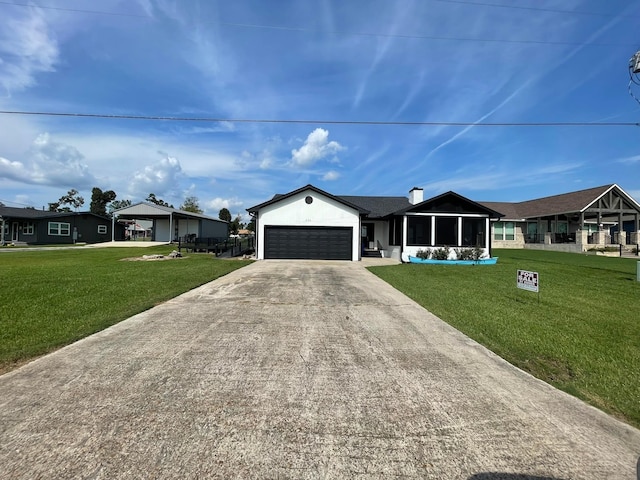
(528, 281)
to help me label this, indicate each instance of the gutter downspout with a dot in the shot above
(113, 228)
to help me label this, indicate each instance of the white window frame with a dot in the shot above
(503, 233)
(28, 228)
(102, 229)
(59, 229)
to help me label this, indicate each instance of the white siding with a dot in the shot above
(323, 211)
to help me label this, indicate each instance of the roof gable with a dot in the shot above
(279, 197)
(143, 208)
(571, 202)
(451, 202)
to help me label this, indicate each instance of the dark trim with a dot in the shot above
(420, 207)
(278, 198)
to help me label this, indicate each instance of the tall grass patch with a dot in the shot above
(582, 335)
(52, 298)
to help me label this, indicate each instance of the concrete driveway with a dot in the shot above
(296, 370)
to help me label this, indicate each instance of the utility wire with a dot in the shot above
(75, 10)
(536, 9)
(325, 122)
(362, 34)
(462, 2)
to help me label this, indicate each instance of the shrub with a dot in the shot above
(464, 253)
(423, 254)
(441, 253)
(478, 253)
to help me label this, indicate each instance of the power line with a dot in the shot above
(462, 2)
(76, 10)
(536, 9)
(325, 122)
(366, 34)
(16, 203)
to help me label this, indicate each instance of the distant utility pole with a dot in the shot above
(634, 74)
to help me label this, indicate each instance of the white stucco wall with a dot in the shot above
(322, 212)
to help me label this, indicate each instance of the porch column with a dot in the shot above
(622, 236)
(433, 230)
(2, 231)
(404, 231)
(487, 237)
(171, 227)
(113, 228)
(459, 231)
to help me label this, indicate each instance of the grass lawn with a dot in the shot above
(52, 298)
(583, 336)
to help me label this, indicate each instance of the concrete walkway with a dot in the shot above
(296, 370)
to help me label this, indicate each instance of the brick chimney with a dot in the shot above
(416, 195)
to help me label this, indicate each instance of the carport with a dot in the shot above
(170, 224)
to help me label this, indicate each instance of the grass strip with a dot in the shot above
(582, 336)
(52, 298)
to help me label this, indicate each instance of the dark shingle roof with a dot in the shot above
(507, 209)
(553, 205)
(26, 213)
(377, 206)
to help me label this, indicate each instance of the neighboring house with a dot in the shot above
(170, 224)
(30, 226)
(310, 223)
(574, 221)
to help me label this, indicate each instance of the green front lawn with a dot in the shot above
(55, 297)
(583, 335)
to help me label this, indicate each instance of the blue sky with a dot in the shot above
(359, 60)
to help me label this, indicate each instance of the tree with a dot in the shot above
(235, 225)
(118, 204)
(99, 200)
(251, 226)
(224, 214)
(191, 205)
(158, 201)
(71, 198)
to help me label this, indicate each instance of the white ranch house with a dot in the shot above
(309, 223)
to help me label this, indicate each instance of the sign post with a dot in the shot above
(529, 281)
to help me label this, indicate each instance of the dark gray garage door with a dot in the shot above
(314, 243)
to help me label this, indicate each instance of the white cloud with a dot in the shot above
(26, 49)
(629, 160)
(218, 204)
(331, 175)
(49, 163)
(160, 178)
(316, 147)
(13, 170)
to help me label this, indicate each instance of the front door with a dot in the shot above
(14, 232)
(368, 235)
